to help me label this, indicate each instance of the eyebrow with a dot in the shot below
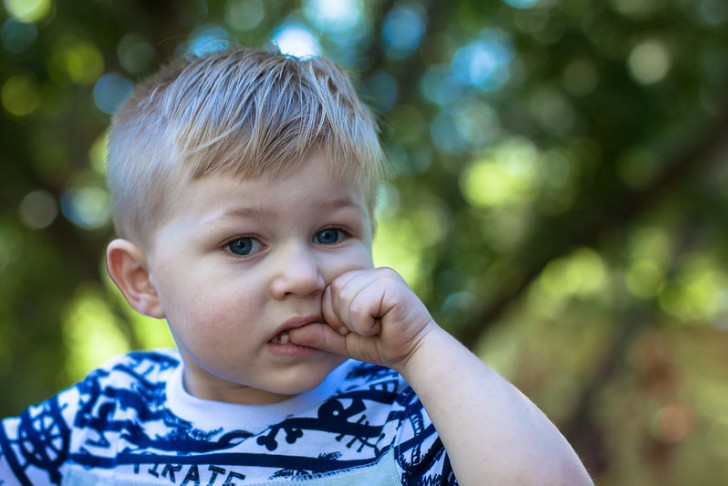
(343, 202)
(249, 212)
(257, 211)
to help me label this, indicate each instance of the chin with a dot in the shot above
(305, 378)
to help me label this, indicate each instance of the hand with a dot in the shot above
(371, 315)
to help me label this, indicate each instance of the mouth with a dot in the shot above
(281, 347)
(281, 338)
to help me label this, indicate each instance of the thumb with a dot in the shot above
(319, 336)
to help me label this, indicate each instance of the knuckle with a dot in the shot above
(338, 287)
(390, 274)
(358, 312)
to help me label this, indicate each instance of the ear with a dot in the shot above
(127, 266)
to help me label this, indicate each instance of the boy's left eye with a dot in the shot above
(329, 236)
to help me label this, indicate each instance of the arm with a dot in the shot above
(491, 431)
(372, 315)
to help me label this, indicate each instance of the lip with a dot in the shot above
(296, 322)
(289, 350)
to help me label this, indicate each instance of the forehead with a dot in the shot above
(312, 185)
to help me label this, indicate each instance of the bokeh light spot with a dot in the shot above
(90, 333)
(397, 244)
(713, 12)
(651, 243)
(20, 96)
(485, 62)
(87, 207)
(445, 135)
(521, 4)
(98, 152)
(552, 110)
(696, 293)
(296, 40)
(579, 274)
(244, 14)
(207, 39)
(110, 90)
(580, 77)
(673, 423)
(79, 61)
(645, 279)
(504, 176)
(439, 86)
(28, 10)
(38, 209)
(381, 91)
(636, 9)
(403, 30)
(476, 122)
(136, 53)
(649, 61)
(638, 167)
(17, 37)
(334, 15)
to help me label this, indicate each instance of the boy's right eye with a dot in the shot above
(244, 246)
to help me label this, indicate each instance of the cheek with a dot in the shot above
(187, 290)
(202, 312)
(364, 255)
(360, 258)
(210, 331)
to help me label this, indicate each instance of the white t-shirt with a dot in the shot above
(132, 422)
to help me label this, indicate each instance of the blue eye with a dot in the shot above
(244, 246)
(329, 236)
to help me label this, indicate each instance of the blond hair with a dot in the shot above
(244, 112)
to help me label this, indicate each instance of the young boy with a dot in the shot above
(244, 187)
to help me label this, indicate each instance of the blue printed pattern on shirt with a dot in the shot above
(117, 422)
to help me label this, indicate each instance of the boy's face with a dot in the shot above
(236, 263)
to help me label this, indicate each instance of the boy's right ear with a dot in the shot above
(127, 266)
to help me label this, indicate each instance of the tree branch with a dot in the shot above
(680, 170)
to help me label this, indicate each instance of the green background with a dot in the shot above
(560, 201)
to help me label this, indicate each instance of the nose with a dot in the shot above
(297, 272)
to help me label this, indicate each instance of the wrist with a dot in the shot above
(420, 358)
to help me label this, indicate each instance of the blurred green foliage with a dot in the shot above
(560, 203)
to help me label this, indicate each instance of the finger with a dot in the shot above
(319, 336)
(343, 291)
(365, 310)
(331, 317)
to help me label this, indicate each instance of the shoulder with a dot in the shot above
(137, 372)
(132, 370)
(35, 445)
(147, 363)
(143, 373)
